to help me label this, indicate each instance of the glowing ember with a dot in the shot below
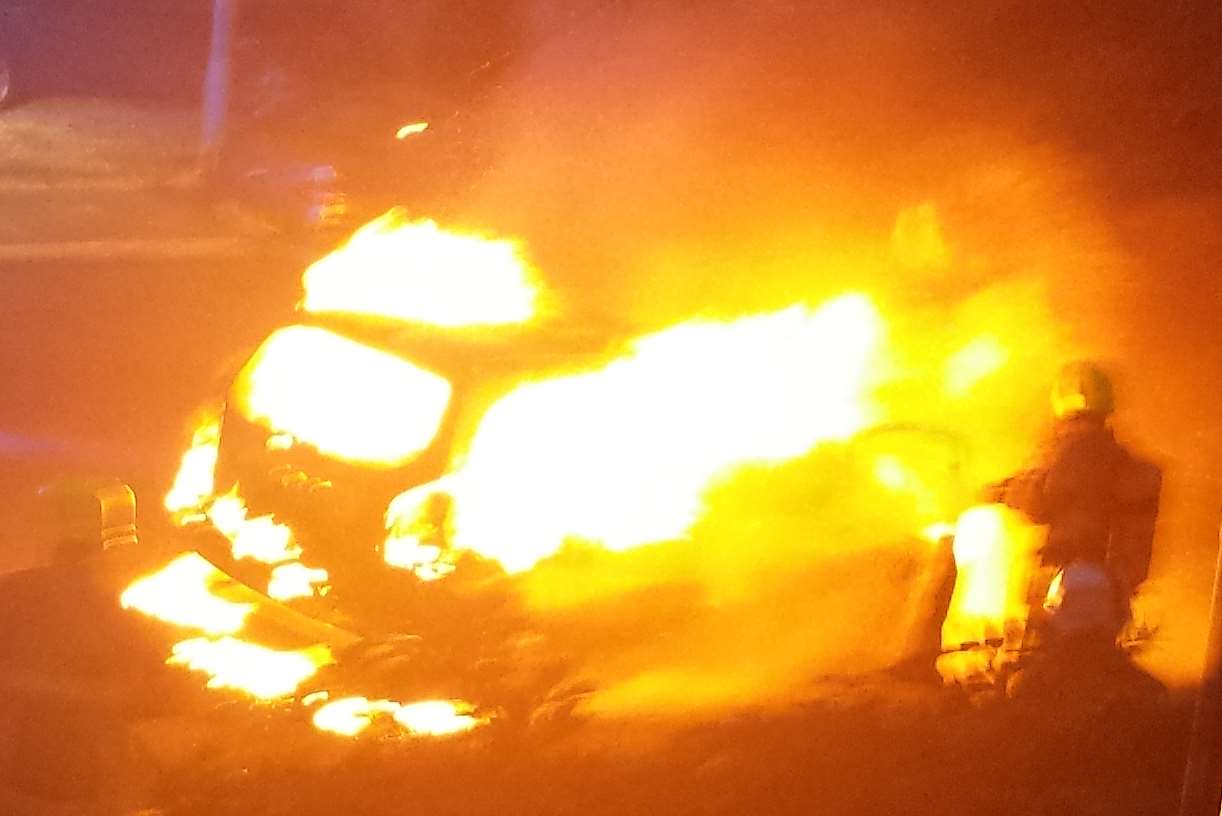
(350, 716)
(411, 130)
(346, 399)
(623, 455)
(180, 593)
(193, 484)
(261, 672)
(415, 271)
(261, 538)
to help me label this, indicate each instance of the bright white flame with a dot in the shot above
(346, 399)
(411, 129)
(407, 553)
(435, 718)
(622, 455)
(295, 580)
(350, 716)
(193, 484)
(417, 272)
(180, 593)
(261, 672)
(261, 538)
(993, 549)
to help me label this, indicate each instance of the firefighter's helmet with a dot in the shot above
(1082, 388)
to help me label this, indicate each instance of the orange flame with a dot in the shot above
(622, 455)
(193, 484)
(993, 549)
(415, 271)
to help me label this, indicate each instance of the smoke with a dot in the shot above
(663, 162)
(666, 161)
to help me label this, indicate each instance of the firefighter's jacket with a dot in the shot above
(1098, 500)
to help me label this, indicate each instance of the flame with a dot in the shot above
(425, 560)
(415, 271)
(346, 399)
(260, 538)
(411, 129)
(184, 593)
(296, 580)
(622, 455)
(181, 593)
(264, 673)
(193, 484)
(349, 716)
(436, 718)
(993, 549)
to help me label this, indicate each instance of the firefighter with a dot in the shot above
(1099, 503)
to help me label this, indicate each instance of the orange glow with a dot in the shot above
(890, 472)
(181, 593)
(622, 455)
(938, 531)
(418, 272)
(193, 484)
(411, 130)
(974, 362)
(916, 240)
(349, 716)
(263, 673)
(346, 399)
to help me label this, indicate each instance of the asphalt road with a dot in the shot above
(126, 287)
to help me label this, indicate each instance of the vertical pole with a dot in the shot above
(1202, 791)
(216, 85)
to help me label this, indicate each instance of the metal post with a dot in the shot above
(216, 85)
(1202, 791)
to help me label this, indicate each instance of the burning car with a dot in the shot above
(423, 473)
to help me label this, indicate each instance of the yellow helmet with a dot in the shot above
(1082, 388)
